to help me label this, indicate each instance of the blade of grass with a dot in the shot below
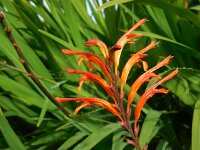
(97, 136)
(149, 127)
(196, 127)
(11, 138)
(188, 50)
(43, 111)
(160, 4)
(73, 140)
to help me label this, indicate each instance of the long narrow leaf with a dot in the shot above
(97, 136)
(8, 133)
(196, 127)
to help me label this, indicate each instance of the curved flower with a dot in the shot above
(91, 58)
(135, 58)
(143, 78)
(149, 93)
(93, 101)
(127, 37)
(102, 46)
(92, 77)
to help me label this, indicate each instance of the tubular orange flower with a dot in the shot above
(96, 78)
(102, 46)
(123, 40)
(149, 93)
(143, 78)
(92, 59)
(93, 101)
(132, 61)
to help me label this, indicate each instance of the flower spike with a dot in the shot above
(109, 67)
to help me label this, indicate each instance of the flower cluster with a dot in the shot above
(109, 66)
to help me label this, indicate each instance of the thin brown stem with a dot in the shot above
(27, 68)
(119, 99)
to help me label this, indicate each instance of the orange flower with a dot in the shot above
(102, 46)
(92, 77)
(149, 93)
(93, 101)
(135, 58)
(127, 37)
(91, 58)
(143, 78)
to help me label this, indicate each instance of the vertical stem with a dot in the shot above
(27, 68)
(120, 103)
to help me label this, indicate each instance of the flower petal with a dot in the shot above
(149, 93)
(93, 101)
(143, 78)
(92, 59)
(102, 46)
(135, 58)
(97, 79)
(123, 40)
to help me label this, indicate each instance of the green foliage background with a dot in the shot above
(29, 121)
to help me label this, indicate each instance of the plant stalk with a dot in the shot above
(27, 68)
(120, 104)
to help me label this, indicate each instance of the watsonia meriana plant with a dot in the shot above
(109, 66)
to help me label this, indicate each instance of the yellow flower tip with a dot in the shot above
(80, 59)
(145, 65)
(80, 86)
(84, 104)
(81, 81)
(102, 46)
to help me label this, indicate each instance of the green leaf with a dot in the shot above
(71, 141)
(185, 85)
(9, 135)
(25, 94)
(149, 127)
(162, 145)
(188, 50)
(43, 111)
(57, 39)
(196, 127)
(160, 4)
(118, 142)
(97, 136)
